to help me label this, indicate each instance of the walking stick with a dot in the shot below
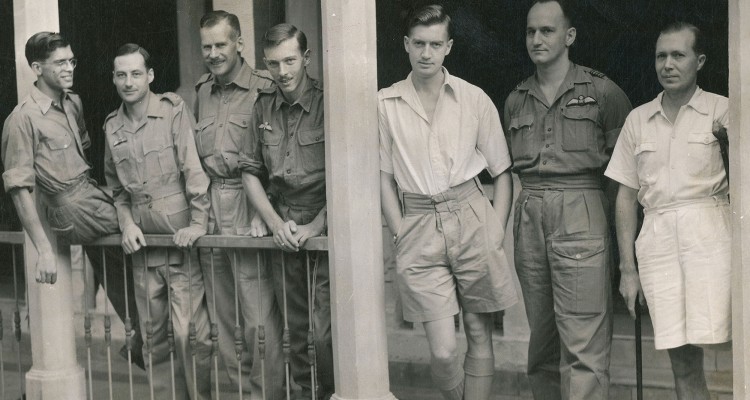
(638, 352)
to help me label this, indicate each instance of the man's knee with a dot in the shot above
(686, 360)
(478, 328)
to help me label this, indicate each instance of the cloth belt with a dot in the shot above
(447, 201)
(713, 201)
(580, 181)
(228, 183)
(161, 192)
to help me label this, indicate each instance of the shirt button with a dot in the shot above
(549, 129)
(287, 154)
(317, 138)
(291, 134)
(578, 256)
(150, 205)
(546, 145)
(289, 171)
(220, 125)
(544, 162)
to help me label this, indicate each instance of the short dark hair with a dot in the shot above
(212, 18)
(565, 6)
(432, 14)
(281, 32)
(132, 48)
(699, 42)
(42, 44)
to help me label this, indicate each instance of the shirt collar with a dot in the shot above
(574, 75)
(42, 100)
(154, 110)
(305, 99)
(697, 103)
(242, 79)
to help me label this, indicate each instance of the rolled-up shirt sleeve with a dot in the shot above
(196, 181)
(18, 153)
(623, 166)
(251, 150)
(386, 140)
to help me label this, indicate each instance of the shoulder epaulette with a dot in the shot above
(207, 77)
(172, 98)
(268, 90)
(262, 73)
(596, 73)
(110, 116)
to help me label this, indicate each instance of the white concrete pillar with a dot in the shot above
(305, 15)
(739, 121)
(55, 373)
(353, 185)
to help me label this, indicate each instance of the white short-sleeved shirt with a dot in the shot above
(672, 163)
(426, 157)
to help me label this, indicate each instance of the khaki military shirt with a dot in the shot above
(288, 144)
(575, 134)
(157, 160)
(43, 142)
(224, 114)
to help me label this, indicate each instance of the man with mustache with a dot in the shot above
(43, 144)
(562, 123)
(152, 166)
(226, 96)
(668, 160)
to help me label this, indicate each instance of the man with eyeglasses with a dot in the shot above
(43, 144)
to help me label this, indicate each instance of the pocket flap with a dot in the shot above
(311, 136)
(581, 112)
(521, 121)
(240, 120)
(202, 124)
(578, 249)
(647, 146)
(153, 144)
(703, 137)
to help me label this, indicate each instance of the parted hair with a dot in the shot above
(212, 18)
(42, 44)
(565, 6)
(699, 42)
(281, 32)
(429, 15)
(132, 48)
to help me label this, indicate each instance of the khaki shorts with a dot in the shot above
(449, 254)
(685, 269)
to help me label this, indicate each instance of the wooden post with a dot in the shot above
(353, 185)
(739, 100)
(55, 373)
(189, 13)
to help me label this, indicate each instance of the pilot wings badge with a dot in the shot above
(581, 101)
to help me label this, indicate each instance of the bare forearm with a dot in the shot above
(503, 196)
(626, 221)
(29, 217)
(259, 199)
(389, 201)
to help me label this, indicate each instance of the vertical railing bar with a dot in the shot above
(2, 361)
(260, 257)
(17, 320)
(214, 330)
(107, 321)
(170, 328)
(192, 332)
(128, 326)
(310, 329)
(286, 345)
(87, 331)
(238, 334)
(149, 327)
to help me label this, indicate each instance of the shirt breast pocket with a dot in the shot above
(522, 143)
(159, 157)
(648, 165)
(124, 166)
(580, 124)
(312, 150)
(704, 156)
(205, 134)
(237, 128)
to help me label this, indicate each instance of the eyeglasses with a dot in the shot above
(59, 64)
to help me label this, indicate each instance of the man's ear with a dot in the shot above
(150, 75)
(701, 61)
(240, 44)
(36, 66)
(570, 36)
(449, 46)
(406, 43)
(306, 57)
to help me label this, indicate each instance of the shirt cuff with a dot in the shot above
(21, 177)
(622, 179)
(499, 168)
